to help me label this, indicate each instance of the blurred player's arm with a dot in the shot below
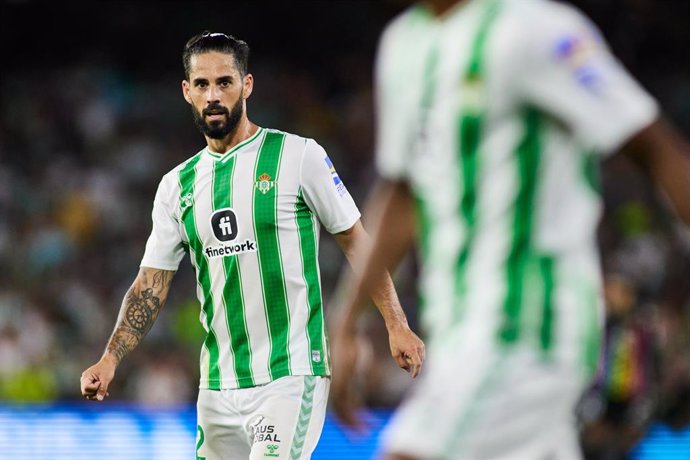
(390, 207)
(665, 155)
(140, 308)
(407, 349)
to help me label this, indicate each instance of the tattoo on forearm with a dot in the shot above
(138, 313)
(162, 279)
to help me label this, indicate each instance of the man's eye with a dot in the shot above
(224, 84)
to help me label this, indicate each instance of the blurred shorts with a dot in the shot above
(280, 420)
(509, 405)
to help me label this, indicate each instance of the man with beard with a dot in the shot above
(248, 209)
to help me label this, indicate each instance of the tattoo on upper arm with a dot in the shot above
(139, 312)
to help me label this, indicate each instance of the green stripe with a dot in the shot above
(310, 273)
(187, 177)
(471, 126)
(475, 69)
(304, 418)
(426, 104)
(593, 332)
(546, 265)
(527, 158)
(270, 261)
(423, 215)
(429, 85)
(233, 298)
(590, 171)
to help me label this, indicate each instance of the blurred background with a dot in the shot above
(91, 117)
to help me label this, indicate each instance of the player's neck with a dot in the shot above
(440, 7)
(244, 130)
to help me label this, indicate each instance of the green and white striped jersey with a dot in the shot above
(250, 220)
(493, 114)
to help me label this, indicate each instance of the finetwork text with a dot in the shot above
(231, 249)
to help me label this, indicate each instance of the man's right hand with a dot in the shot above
(95, 379)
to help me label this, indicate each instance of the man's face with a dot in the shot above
(216, 93)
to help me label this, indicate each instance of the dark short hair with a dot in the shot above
(215, 41)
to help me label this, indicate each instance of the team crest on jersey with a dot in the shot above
(264, 183)
(186, 201)
(474, 95)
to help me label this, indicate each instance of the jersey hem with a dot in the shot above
(344, 226)
(637, 122)
(159, 265)
(213, 384)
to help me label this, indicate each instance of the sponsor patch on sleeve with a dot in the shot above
(339, 186)
(583, 54)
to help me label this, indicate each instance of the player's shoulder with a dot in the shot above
(546, 28)
(416, 14)
(287, 135)
(414, 17)
(535, 15)
(294, 143)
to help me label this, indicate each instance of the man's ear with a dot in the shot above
(185, 91)
(248, 83)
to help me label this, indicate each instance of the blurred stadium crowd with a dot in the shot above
(83, 144)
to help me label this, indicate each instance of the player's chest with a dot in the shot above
(233, 205)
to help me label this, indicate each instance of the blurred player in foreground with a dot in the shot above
(492, 115)
(248, 210)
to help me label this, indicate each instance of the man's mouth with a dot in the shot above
(215, 116)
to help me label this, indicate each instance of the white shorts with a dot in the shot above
(280, 420)
(495, 406)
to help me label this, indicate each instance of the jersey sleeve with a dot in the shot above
(568, 71)
(164, 248)
(324, 191)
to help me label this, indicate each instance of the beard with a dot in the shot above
(219, 129)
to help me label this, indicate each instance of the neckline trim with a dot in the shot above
(223, 157)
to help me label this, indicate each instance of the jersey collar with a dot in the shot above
(227, 155)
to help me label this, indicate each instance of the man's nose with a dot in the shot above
(213, 94)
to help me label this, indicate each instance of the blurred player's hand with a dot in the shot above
(95, 379)
(346, 399)
(406, 348)
(348, 358)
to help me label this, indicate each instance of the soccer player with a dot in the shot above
(248, 209)
(491, 116)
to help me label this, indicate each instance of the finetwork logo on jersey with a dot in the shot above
(224, 226)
